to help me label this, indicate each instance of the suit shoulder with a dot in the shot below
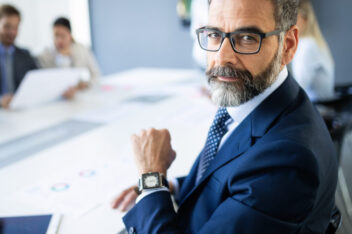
(22, 51)
(24, 60)
(24, 55)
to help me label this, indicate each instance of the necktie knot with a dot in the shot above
(221, 117)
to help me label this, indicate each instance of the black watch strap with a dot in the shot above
(164, 180)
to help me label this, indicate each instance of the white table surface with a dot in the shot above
(185, 113)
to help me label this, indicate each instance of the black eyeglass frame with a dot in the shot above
(228, 35)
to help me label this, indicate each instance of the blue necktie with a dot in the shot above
(216, 132)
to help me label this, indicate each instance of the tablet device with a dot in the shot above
(32, 224)
(45, 85)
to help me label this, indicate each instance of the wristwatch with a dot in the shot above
(151, 180)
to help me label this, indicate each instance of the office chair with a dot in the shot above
(337, 114)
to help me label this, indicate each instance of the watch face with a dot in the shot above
(151, 181)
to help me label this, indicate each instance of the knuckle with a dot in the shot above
(166, 132)
(133, 138)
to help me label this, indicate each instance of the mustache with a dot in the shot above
(228, 71)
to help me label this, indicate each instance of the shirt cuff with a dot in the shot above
(150, 191)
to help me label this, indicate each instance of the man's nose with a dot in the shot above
(226, 55)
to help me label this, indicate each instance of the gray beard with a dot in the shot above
(239, 92)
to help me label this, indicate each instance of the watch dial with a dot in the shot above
(151, 181)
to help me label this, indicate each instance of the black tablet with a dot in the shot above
(30, 224)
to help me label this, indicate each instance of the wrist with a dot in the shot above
(145, 171)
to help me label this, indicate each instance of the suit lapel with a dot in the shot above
(238, 142)
(253, 126)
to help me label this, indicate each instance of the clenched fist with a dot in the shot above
(152, 150)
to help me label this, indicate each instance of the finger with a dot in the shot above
(130, 198)
(115, 203)
(143, 133)
(167, 133)
(133, 137)
(152, 131)
(173, 153)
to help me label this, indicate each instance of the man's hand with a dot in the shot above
(125, 199)
(70, 93)
(152, 151)
(82, 85)
(5, 101)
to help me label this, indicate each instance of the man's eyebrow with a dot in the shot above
(251, 29)
(212, 27)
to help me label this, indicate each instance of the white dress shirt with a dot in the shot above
(238, 114)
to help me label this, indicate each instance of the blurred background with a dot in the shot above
(128, 34)
(138, 43)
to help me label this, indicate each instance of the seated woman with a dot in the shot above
(68, 53)
(313, 65)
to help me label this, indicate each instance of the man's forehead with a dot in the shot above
(242, 13)
(10, 18)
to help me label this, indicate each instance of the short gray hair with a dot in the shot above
(285, 13)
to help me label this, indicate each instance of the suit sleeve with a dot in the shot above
(153, 214)
(264, 197)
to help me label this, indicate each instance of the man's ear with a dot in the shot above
(290, 45)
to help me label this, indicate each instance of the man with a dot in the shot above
(268, 165)
(15, 62)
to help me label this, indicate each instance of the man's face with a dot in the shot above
(236, 78)
(9, 29)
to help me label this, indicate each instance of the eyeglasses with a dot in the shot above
(242, 41)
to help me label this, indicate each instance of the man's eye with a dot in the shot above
(213, 35)
(248, 38)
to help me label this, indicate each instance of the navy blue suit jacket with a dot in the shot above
(276, 173)
(22, 63)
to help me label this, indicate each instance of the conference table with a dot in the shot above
(73, 157)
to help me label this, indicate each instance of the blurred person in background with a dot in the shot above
(68, 53)
(199, 18)
(313, 65)
(15, 62)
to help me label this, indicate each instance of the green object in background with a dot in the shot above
(183, 9)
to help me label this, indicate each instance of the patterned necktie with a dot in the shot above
(216, 132)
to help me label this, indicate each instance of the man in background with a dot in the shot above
(15, 62)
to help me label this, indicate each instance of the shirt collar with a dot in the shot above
(10, 49)
(239, 113)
